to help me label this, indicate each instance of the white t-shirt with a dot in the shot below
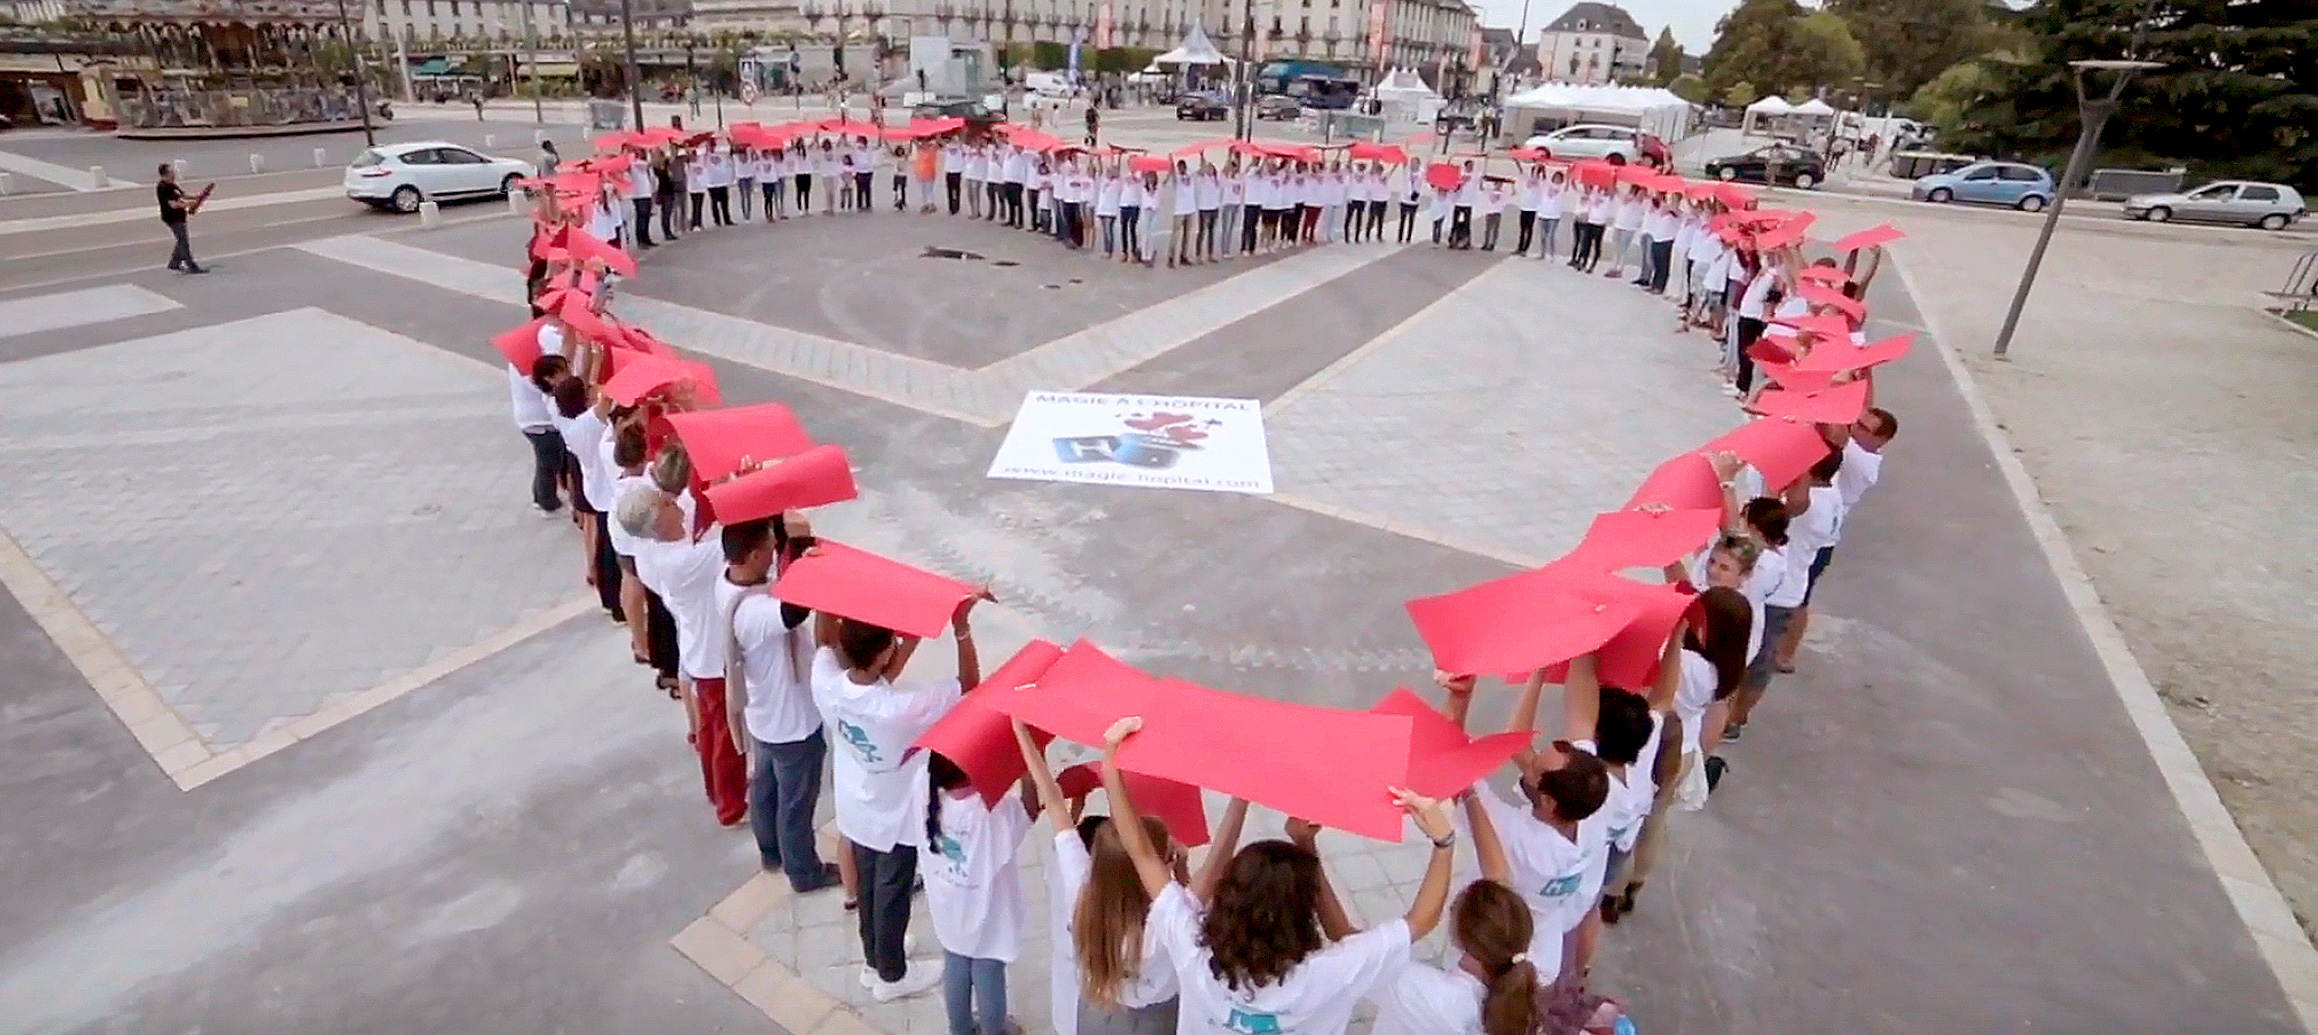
(1549, 872)
(1153, 983)
(1107, 196)
(1693, 694)
(1861, 467)
(583, 438)
(1758, 293)
(1209, 190)
(879, 784)
(624, 544)
(1317, 997)
(685, 575)
(780, 704)
(1819, 526)
(1426, 1000)
(1186, 201)
(1775, 569)
(1629, 214)
(1630, 796)
(973, 876)
(532, 412)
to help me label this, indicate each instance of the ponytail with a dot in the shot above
(1494, 926)
(1510, 1007)
(941, 775)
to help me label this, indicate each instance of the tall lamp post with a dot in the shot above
(531, 47)
(635, 78)
(2093, 114)
(1246, 90)
(361, 73)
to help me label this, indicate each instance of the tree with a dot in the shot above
(2236, 96)
(1908, 42)
(1665, 58)
(1739, 94)
(1689, 87)
(1943, 101)
(1777, 44)
(1825, 53)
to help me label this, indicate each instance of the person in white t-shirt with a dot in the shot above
(953, 171)
(536, 421)
(1626, 211)
(974, 891)
(579, 418)
(718, 166)
(879, 784)
(1626, 731)
(1110, 972)
(1306, 974)
(1783, 570)
(683, 571)
(769, 699)
(1109, 180)
(1707, 675)
(1816, 502)
(1183, 207)
(696, 182)
(977, 169)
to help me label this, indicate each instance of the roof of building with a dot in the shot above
(1588, 16)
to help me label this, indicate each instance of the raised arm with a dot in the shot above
(1460, 691)
(1524, 717)
(1149, 865)
(1035, 769)
(1334, 921)
(1487, 846)
(1727, 466)
(1669, 671)
(1220, 849)
(1432, 818)
(969, 660)
(1581, 700)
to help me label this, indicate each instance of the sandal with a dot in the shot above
(668, 683)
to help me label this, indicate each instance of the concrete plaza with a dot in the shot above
(312, 729)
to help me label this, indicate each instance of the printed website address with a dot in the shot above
(1159, 481)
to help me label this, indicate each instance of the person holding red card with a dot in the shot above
(769, 700)
(1270, 949)
(1713, 660)
(974, 891)
(879, 783)
(683, 571)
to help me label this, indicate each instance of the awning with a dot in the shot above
(432, 66)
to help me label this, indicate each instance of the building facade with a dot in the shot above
(501, 23)
(1593, 43)
(597, 16)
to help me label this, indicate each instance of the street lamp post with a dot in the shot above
(635, 78)
(361, 73)
(531, 48)
(1246, 91)
(2092, 114)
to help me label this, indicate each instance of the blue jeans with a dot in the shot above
(974, 989)
(784, 784)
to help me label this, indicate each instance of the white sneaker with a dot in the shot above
(909, 945)
(918, 981)
(868, 976)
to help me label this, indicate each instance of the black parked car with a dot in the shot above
(1801, 168)
(1202, 107)
(974, 112)
(1278, 106)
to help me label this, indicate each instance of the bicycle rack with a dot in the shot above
(2301, 290)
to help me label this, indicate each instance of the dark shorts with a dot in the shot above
(1818, 566)
(1763, 667)
(579, 496)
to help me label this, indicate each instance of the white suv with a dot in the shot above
(1586, 140)
(399, 176)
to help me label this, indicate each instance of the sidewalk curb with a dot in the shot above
(2267, 917)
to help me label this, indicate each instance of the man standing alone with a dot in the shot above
(175, 206)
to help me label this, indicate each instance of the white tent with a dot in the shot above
(1814, 108)
(1767, 109)
(1195, 50)
(1648, 108)
(1402, 96)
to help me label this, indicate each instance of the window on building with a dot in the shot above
(430, 8)
(406, 8)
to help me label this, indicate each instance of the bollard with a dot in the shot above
(180, 165)
(3, 184)
(321, 157)
(430, 216)
(490, 140)
(518, 203)
(257, 163)
(97, 180)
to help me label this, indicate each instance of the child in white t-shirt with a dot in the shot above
(878, 784)
(973, 892)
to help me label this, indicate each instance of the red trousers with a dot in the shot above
(724, 771)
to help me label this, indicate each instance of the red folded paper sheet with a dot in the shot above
(1772, 349)
(585, 246)
(857, 584)
(1823, 274)
(1786, 233)
(520, 345)
(1685, 482)
(705, 392)
(575, 308)
(638, 374)
(1081, 695)
(1388, 153)
(1623, 539)
(1148, 163)
(1628, 659)
(817, 477)
(1175, 804)
(1835, 404)
(1869, 238)
(1443, 760)
(1443, 176)
(1333, 767)
(1779, 450)
(1820, 294)
(1514, 624)
(722, 441)
(1787, 375)
(1831, 357)
(1825, 325)
(980, 738)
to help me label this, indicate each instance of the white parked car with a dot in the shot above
(399, 176)
(1587, 140)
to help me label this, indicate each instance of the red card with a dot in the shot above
(1831, 356)
(1333, 767)
(1175, 804)
(1514, 624)
(1389, 153)
(723, 441)
(705, 393)
(638, 374)
(1686, 482)
(1821, 294)
(1823, 274)
(1595, 173)
(1734, 196)
(1786, 233)
(1788, 376)
(521, 345)
(575, 311)
(865, 587)
(1443, 176)
(1869, 238)
(1443, 760)
(1768, 349)
(1081, 695)
(1623, 539)
(1149, 163)
(1825, 325)
(816, 477)
(586, 246)
(980, 738)
(1835, 404)
(1629, 660)
(1780, 450)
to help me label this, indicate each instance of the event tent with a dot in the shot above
(1194, 50)
(1767, 109)
(1402, 96)
(1814, 108)
(1648, 108)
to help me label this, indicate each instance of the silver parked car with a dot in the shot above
(2270, 206)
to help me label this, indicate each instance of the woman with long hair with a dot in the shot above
(1271, 949)
(973, 892)
(1708, 672)
(1494, 988)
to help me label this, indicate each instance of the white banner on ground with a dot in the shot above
(1155, 441)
